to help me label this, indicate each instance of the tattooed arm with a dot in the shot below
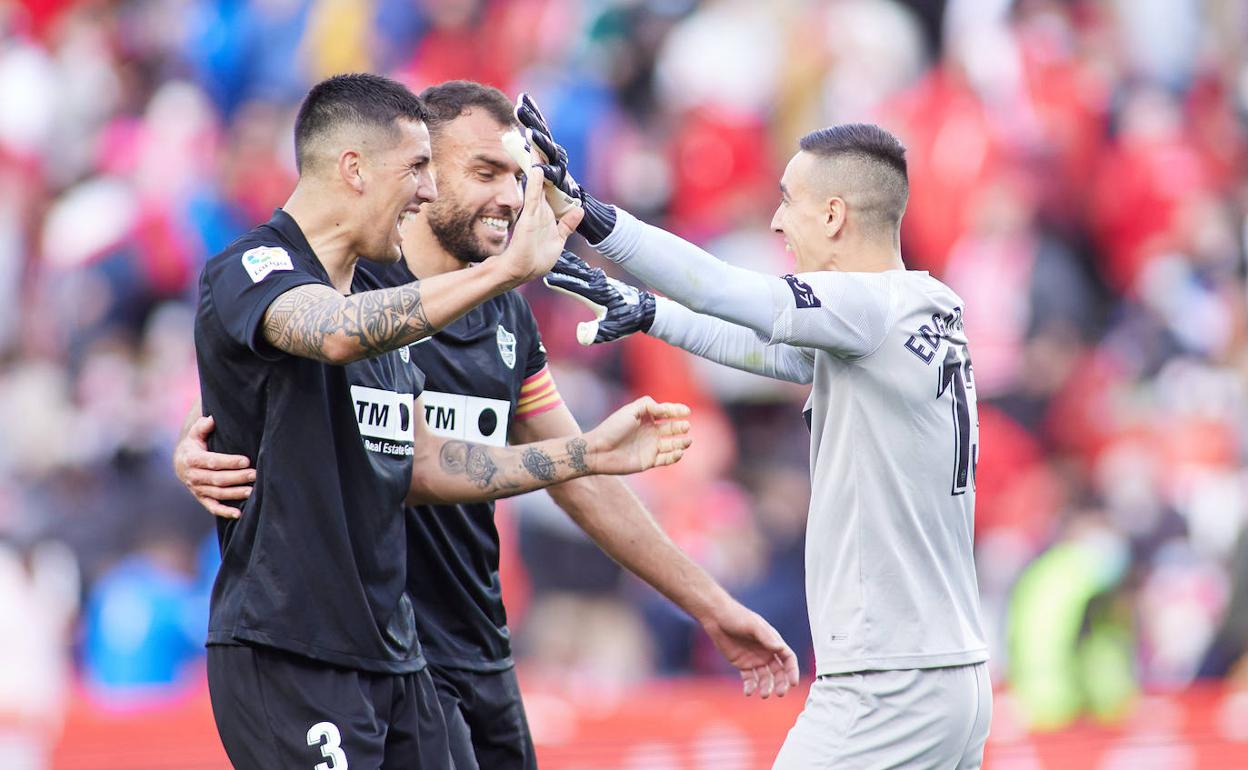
(641, 435)
(607, 510)
(463, 472)
(315, 321)
(617, 521)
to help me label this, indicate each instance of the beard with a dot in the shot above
(455, 230)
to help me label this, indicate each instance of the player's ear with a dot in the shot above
(834, 216)
(350, 171)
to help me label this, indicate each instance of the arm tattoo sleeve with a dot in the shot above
(302, 320)
(504, 471)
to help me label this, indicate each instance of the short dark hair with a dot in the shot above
(361, 98)
(864, 139)
(447, 101)
(880, 159)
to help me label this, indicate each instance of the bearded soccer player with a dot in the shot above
(902, 679)
(487, 380)
(313, 656)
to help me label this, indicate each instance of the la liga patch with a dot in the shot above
(803, 295)
(263, 260)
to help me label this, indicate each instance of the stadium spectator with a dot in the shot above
(1131, 392)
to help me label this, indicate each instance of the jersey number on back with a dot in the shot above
(955, 377)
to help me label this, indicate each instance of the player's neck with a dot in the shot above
(866, 255)
(328, 233)
(872, 262)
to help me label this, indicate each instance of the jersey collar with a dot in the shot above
(288, 229)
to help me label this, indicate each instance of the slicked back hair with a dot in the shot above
(870, 166)
(359, 99)
(447, 101)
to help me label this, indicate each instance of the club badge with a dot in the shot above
(507, 347)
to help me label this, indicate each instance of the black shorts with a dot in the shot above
(485, 719)
(275, 710)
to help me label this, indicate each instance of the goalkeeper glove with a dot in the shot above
(599, 219)
(619, 309)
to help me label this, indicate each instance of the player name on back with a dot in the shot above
(925, 343)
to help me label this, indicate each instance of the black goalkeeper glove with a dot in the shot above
(619, 309)
(599, 219)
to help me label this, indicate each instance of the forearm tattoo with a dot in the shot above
(576, 455)
(301, 320)
(459, 458)
(505, 471)
(538, 464)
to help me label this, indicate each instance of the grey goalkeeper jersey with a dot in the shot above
(890, 575)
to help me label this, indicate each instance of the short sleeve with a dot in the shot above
(244, 283)
(846, 314)
(535, 360)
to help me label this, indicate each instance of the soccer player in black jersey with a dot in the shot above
(304, 362)
(486, 379)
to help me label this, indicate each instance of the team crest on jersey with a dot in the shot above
(507, 346)
(405, 354)
(263, 260)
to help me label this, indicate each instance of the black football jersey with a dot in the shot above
(316, 563)
(474, 372)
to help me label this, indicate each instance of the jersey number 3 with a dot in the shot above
(331, 749)
(955, 377)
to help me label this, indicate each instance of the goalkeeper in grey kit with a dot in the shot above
(901, 669)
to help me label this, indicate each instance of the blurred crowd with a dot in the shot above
(1078, 176)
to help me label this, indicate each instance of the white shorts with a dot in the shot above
(912, 718)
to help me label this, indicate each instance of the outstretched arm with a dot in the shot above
(621, 310)
(675, 267)
(315, 321)
(845, 314)
(731, 345)
(691, 276)
(637, 437)
(607, 510)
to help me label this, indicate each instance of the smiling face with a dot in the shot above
(398, 183)
(479, 187)
(806, 216)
